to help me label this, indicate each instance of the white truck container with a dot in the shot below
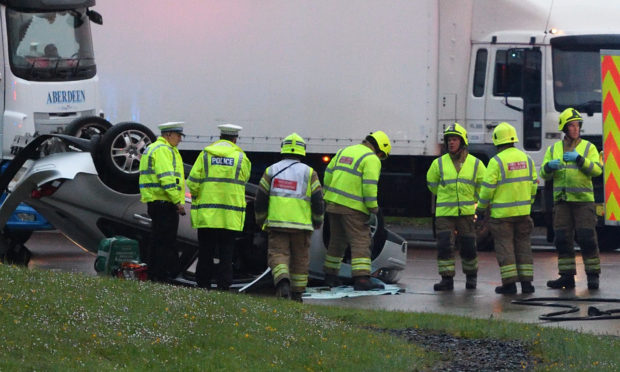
(334, 70)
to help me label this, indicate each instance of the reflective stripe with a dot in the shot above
(511, 204)
(360, 264)
(572, 189)
(525, 270)
(332, 262)
(456, 204)
(343, 193)
(488, 185)
(218, 206)
(370, 182)
(508, 271)
(279, 270)
(501, 166)
(299, 280)
(513, 180)
(433, 184)
(470, 265)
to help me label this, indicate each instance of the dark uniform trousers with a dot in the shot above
(163, 259)
(513, 247)
(576, 221)
(465, 239)
(214, 243)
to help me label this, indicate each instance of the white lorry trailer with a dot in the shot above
(334, 70)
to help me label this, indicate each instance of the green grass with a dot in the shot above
(61, 321)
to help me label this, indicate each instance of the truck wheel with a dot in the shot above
(88, 126)
(608, 238)
(118, 157)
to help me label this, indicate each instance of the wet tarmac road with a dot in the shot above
(53, 251)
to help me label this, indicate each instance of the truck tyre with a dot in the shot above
(608, 238)
(87, 126)
(119, 153)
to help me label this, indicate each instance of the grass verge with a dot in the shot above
(63, 321)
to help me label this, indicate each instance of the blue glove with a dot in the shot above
(571, 156)
(480, 214)
(554, 164)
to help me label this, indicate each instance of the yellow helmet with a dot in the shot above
(293, 144)
(504, 133)
(383, 141)
(568, 115)
(455, 130)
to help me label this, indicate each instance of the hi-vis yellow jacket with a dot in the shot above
(161, 173)
(457, 193)
(573, 181)
(509, 185)
(351, 178)
(217, 184)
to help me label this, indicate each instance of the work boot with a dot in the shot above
(296, 296)
(332, 280)
(564, 281)
(527, 287)
(506, 289)
(446, 284)
(471, 281)
(363, 283)
(592, 281)
(283, 289)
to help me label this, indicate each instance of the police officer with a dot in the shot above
(289, 205)
(162, 188)
(350, 183)
(455, 178)
(571, 163)
(217, 185)
(509, 188)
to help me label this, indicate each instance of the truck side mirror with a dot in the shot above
(94, 17)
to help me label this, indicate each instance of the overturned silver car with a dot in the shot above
(89, 192)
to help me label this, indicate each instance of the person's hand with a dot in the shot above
(571, 156)
(181, 209)
(372, 219)
(480, 214)
(554, 164)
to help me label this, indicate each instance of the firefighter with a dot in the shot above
(217, 185)
(350, 184)
(289, 205)
(509, 189)
(162, 188)
(455, 179)
(571, 163)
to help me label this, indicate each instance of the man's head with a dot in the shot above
(293, 145)
(380, 143)
(504, 134)
(172, 131)
(229, 132)
(455, 138)
(570, 123)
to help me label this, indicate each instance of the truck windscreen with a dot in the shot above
(577, 80)
(51, 46)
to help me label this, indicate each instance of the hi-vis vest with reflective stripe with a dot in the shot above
(161, 173)
(457, 193)
(217, 184)
(573, 182)
(351, 178)
(509, 185)
(289, 195)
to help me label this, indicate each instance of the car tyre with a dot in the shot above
(119, 153)
(87, 127)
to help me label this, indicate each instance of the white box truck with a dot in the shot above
(334, 70)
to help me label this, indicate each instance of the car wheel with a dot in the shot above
(18, 236)
(119, 155)
(87, 127)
